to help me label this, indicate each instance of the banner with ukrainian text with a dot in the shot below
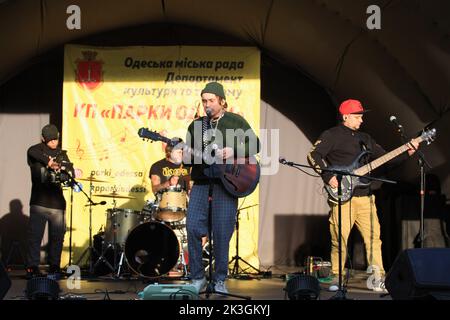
(109, 93)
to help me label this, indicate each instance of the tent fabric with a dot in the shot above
(402, 69)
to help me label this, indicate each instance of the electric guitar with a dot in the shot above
(349, 183)
(239, 178)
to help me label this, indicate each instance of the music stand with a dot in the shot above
(235, 270)
(341, 292)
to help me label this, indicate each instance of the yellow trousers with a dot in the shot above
(362, 212)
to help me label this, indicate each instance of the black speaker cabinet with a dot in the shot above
(420, 274)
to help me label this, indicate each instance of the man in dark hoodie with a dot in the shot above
(48, 164)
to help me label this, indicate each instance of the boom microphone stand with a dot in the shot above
(341, 293)
(70, 230)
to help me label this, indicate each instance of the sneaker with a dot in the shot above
(199, 284)
(380, 287)
(333, 287)
(334, 283)
(54, 269)
(220, 287)
(54, 272)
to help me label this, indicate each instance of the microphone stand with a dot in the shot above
(88, 250)
(70, 230)
(235, 270)
(210, 286)
(341, 293)
(422, 163)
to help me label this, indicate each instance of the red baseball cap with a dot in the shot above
(351, 106)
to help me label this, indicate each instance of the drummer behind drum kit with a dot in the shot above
(153, 242)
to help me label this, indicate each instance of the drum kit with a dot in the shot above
(153, 241)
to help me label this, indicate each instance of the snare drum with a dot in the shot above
(172, 204)
(120, 222)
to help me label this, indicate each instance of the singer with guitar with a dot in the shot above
(209, 134)
(47, 204)
(342, 146)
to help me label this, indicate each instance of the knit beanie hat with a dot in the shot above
(215, 88)
(50, 132)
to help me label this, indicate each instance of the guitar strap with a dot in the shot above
(206, 141)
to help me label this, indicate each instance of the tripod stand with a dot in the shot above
(235, 270)
(112, 229)
(210, 288)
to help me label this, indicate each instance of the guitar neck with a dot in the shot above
(191, 151)
(365, 169)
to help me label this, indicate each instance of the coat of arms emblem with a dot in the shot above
(89, 72)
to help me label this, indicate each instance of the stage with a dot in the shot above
(255, 287)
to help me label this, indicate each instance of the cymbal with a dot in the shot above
(113, 195)
(92, 179)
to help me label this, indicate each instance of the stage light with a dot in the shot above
(302, 287)
(42, 288)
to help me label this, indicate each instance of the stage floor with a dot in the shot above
(255, 287)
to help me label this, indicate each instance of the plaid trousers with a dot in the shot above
(224, 207)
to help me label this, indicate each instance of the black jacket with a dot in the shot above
(340, 146)
(44, 193)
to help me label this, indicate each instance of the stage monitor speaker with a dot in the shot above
(5, 282)
(420, 274)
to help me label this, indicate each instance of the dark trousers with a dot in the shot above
(224, 207)
(39, 216)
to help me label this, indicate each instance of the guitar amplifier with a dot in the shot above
(169, 292)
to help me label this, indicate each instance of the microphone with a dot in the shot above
(209, 112)
(393, 119)
(283, 160)
(102, 203)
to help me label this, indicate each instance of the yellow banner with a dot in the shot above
(109, 93)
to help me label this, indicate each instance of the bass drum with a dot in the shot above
(152, 249)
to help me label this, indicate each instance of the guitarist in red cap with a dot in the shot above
(340, 146)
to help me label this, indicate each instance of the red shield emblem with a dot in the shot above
(89, 72)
